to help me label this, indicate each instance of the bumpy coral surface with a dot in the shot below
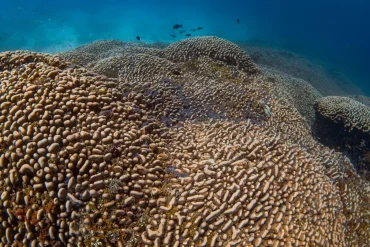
(78, 160)
(210, 157)
(137, 67)
(235, 186)
(297, 91)
(344, 123)
(89, 54)
(351, 113)
(213, 47)
(80, 57)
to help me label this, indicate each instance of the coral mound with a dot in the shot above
(138, 67)
(297, 91)
(87, 55)
(235, 186)
(214, 48)
(78, 160)
(100, 47)
(350, 113)
(80, 57)
(344, 123)
(200, 159)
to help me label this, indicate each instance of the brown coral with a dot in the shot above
(64, 153)
(89, 54)
(87, 161)
(297, 91)
(244, 188)
(213, 47)
(350, 113)
(137, 67)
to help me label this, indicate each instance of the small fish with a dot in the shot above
(193, 29)
(238, 21)
(182, 31)
(176, 26)
(188, 35)
(72, 66)
(173, 36)
(138, 38)
(199, 28)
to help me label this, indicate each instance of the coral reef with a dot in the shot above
(355, 195)
(100, 47)
(200, 99)
(137, 67)
(350, 113)
(211, 155)
(297, 91)
(244, 189)
(344, 123)
(91, 53)
(78, 160)
(80, 57)
(207, 56)
(213, 47)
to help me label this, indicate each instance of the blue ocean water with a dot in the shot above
(335, 32)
